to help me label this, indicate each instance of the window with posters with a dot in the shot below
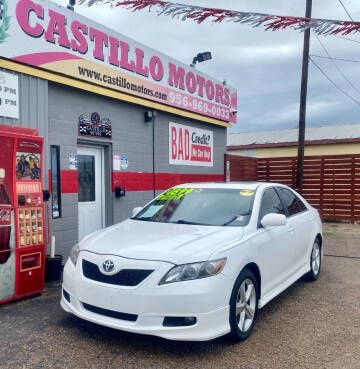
(28, 160)
(190, 146)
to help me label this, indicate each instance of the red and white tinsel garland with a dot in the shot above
(200, 14)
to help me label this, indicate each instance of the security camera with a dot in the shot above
(71, 5)
(233, 111)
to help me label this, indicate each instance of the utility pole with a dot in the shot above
(303, 94)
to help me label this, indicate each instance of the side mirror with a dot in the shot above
(136, 210)
(273, 220)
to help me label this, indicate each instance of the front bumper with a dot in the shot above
(206, 299)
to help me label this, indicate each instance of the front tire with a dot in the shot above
(315, 262)
(244, 305)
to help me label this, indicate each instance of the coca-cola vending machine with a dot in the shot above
(22, 241)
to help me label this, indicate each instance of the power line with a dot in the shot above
(346, 38)
(327, 57)
(333, 83)
(346, 10)
(336, 66)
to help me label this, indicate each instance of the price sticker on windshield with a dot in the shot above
(246, 193)
(175, 194)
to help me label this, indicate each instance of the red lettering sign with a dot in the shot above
(190, 146)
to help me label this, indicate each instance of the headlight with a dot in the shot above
(74, 254)
(188, 272)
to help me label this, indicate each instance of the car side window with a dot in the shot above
(270, 203)
(291, 202)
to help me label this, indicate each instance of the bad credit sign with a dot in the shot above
(51, 37)
(190, 146)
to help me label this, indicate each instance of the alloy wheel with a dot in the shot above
(315, 259)
(245, 305)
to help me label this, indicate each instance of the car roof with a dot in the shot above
(228, 185)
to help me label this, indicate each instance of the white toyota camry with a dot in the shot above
(195, 263)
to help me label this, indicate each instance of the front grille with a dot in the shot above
(126, 277)
(110, 313)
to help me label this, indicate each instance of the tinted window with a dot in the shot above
(291, 202)
(205, 206)
(86, 177)
(55, 181)
(270, 203)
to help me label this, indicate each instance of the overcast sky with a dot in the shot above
(265, 66)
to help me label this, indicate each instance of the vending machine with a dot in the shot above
(22, 240)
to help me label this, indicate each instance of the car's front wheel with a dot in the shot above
(243, 305)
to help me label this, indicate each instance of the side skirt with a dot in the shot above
(265, 299)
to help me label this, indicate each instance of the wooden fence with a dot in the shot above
(331, 183)
(240, 168)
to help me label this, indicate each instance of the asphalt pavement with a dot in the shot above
(310, 325)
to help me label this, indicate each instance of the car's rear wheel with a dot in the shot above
(315, 262)
(243, 305)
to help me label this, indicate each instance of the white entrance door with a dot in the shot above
(90, 179)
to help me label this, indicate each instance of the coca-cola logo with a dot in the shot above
(29, 144)
(5, 216)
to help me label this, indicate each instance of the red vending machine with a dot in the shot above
(22, 243)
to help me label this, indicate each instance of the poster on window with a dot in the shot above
(190, 146)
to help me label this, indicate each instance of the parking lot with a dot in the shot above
(310, 325)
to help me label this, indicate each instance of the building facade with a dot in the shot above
(108, 149)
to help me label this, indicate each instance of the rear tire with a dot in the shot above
(315, 262)
(244, 305)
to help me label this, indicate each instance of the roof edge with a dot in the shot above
(286, 144)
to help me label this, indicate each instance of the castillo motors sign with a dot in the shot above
(43, 34)
(190, 146)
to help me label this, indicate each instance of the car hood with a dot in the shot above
(175, 243)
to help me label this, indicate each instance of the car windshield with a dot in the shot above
(201, 206)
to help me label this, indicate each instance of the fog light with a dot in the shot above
(176, 321)
(66, 296)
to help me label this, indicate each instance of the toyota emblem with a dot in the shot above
(108, 266)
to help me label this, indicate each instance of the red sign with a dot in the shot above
(51, 37)
(29, 146)
(190, 145)
(201, 153)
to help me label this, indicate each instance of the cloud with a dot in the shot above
(264, 66)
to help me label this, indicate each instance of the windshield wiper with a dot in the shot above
(144, 219)
(235, 217)
(182, 221)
